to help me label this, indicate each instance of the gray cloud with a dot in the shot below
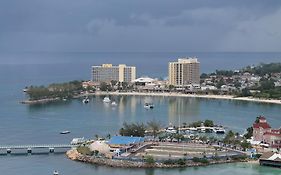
(146, 25)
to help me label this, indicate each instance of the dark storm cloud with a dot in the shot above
(140, 25)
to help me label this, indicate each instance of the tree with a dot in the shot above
(171, 87)
(245, 92)
(230, 137)
(113, 82)
(257, 119)
(245, 145)
(103, 86)
(108, 136)
(155, 126)
(204, 75)
(249, 133)
(220, 83)
(134, 129)
(196, 124)
(149, 159)
(237, 84)
(178, 137)
(266, 84)
(208, 123)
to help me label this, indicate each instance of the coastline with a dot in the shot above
(165, 94)
(160, 94)
(75, 156)
(40, 101)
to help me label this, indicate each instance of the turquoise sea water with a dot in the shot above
(21, 124)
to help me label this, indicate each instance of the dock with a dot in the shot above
(34, 149)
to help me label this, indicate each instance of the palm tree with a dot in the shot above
(155, 126)
(96, 136)
(108, 136)
(178, 137)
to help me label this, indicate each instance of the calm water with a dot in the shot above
(42, 123)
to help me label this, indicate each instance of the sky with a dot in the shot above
(140, 25)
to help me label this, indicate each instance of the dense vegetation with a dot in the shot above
(138, 129)
(265, 88)
(264, 69)
(236, 140)
(207, 123)
(134, 129)
(62, 90)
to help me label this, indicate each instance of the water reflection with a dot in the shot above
(176, 110)
(149, 171)
(183, 109)
(46, 106)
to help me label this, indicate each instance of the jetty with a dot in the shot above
(34, 148)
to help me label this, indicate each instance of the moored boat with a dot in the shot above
(219, 130)
(86, 100)
(106, 100)
(148, 106)
(114, 103)
(65, 132)
(171, 130)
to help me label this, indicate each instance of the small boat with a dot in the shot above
(219, 130)
(106, 100)
(55, 172)
(86, 100)
(77, 141)
(113, 103)
(25, 90)
(64, 132)
(148, 106)
(171, 130)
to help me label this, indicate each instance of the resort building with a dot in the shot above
(149, 84)
(260, 128)
(262, 132)
(184, 72)
(270, 159)
(108, 72)
(119, 144)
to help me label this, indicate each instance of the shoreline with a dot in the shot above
(162, 94)
(75, 156)
(165, 94)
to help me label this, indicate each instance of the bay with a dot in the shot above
(21, 124)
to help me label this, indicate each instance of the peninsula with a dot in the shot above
(149, 146)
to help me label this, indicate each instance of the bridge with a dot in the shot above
(48, 148)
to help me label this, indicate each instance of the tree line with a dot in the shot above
(56, 90)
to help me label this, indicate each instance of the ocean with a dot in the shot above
(22, 124)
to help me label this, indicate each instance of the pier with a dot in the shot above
(34, 149)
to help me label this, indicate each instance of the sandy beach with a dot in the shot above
(222, 97)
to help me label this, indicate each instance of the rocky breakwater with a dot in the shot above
(74, 155)
(40, 101)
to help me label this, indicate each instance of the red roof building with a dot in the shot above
(260, 128)
(262, 132)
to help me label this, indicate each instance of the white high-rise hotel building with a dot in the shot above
(184, 72)
(107, 73)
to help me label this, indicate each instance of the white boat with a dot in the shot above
(64, 132)
(86, 100)
(25, 90)
(77, 141)
(219, 130)
(171, 130)
(114, 103)
(106, 100)
(55, 172)
(148, 106)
